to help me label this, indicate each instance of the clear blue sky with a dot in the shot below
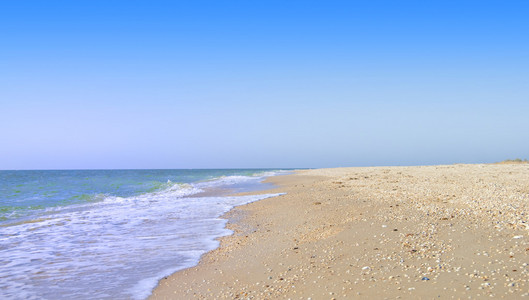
(215, 84)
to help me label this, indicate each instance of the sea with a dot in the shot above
(112, 234)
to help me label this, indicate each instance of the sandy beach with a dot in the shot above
(450, 231)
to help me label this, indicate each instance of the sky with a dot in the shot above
(262, 84)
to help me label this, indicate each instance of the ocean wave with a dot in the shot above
(71, 249)
(167, 190)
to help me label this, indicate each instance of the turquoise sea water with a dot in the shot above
(110, 234)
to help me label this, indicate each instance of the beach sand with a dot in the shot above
(453, 231)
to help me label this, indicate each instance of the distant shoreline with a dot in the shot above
(425, 231)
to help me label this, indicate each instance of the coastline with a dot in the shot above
(133, 226)
(428, 231)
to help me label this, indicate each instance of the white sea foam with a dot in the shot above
(228, 180)
(99, 249)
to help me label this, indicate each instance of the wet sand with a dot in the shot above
(454, 231)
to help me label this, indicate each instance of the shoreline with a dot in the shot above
(131, 226)
(448, 231)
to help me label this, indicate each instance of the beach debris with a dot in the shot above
(517, 236)
(317, 203)
(425, 279)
